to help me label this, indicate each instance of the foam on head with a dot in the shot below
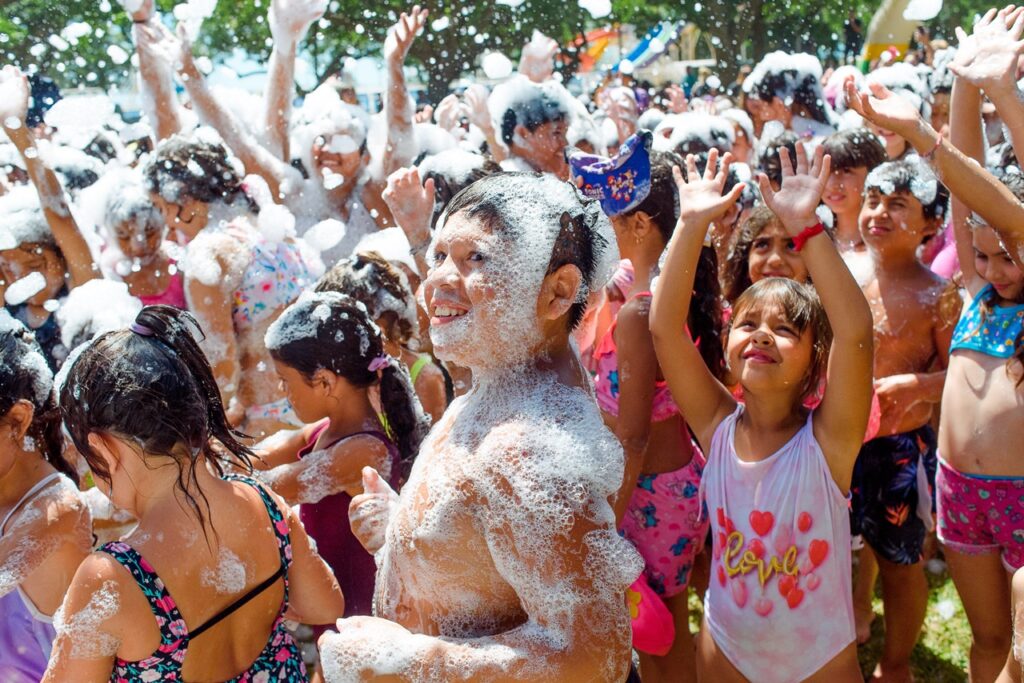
(22, 220)
(25, 358)
(520, 101)
(941, 78)
(323, 113)
(95, 307)
(693, 133)
(913, 176)
(795, 78)
(527, 214)
(905, 79)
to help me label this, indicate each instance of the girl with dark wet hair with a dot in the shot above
(217, 559)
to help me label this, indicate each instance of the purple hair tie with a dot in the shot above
(141, 330)
(379, 363)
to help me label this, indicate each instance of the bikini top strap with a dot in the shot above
(168, 618)
(417, 367)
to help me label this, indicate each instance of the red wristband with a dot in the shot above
(800, 240)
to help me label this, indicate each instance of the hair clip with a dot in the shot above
(379, 363)
(141, 330)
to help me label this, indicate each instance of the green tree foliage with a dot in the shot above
(746, 29)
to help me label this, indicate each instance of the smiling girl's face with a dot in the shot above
(766, 351)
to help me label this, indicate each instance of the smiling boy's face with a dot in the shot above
(481, 295)
(894, 222)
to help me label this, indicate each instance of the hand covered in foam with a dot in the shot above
(988, 57)
(369, 512)
(449, 111)
(159, 44)
(677, 102)
(700, 196)
(476, 101)
(884, 108)
(411, 203)
(537, 60)
(402, 34)
(138, 10)
(801, 190)
(14, 94)
(289, 20)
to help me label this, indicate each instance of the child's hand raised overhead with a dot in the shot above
(700, 196)
(14, 95)
(988, 57)
(884, 108)
(801, 190)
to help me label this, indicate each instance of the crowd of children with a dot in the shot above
(490, 392)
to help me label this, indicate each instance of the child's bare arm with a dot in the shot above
(14, 95)
(329, 471)
(397, 150)
(966, 135)
(281, 448)
(637, 372)
(289, 21)
(842, 418)
(254, 156)
(156, 74)
(700, 396)
(976, 187)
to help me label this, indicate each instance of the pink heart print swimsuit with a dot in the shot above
(779, 605)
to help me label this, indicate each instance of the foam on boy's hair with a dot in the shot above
(521, 102)
(793, 78)
(914, 177)
(95, 307)
(560, 224)
(22, 220)
(694, 133)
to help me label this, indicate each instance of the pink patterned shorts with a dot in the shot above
(981, 514)
(665, 523)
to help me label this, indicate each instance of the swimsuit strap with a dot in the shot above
(238, 604)
(36, 488)
(418, 366)
(280, 528)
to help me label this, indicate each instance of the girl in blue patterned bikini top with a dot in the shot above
(993, 332)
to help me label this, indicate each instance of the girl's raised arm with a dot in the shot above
(14, 96)
(981, 191)
(701, 397)
(842, 418)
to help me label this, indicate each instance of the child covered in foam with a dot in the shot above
(500, 560)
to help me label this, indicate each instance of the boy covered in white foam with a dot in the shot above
(500, 560)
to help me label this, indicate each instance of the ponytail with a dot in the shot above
(405, 417)
(151, 384)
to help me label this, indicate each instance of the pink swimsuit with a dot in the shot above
(664, 519)
(779, 606)
(174, 295)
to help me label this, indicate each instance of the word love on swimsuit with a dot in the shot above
(740, 558)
